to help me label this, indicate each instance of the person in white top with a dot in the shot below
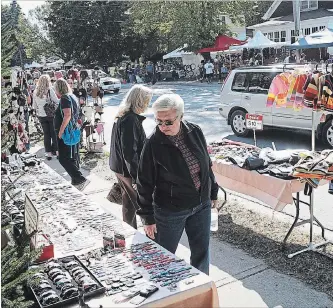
(209, 67)
(42, 94)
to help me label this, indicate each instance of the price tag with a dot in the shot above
(31, 217)
(254, 121)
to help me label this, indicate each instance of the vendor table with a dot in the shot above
(273, 191)
(197, 291)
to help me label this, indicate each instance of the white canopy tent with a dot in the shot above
(33, 65)
(323, 38)
(177, 53)
(56, 64)
(259, 41)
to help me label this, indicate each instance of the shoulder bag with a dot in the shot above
(72, 133)
(50, 106)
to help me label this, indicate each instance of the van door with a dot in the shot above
(258, 86)
(303, 118)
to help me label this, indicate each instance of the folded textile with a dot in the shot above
(252, 163)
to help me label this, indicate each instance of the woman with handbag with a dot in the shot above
(45, 102)
(68, 132)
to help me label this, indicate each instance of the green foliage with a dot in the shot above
(15, 273)
(9, 29)
(89, 32)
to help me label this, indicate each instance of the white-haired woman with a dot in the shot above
(68, 110)
(176, 186)
(127, 139)
(42, 93)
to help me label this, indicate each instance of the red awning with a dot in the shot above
(222, 42)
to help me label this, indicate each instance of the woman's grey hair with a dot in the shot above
(137, 100)
(169, 101)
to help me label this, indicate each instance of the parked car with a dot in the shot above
(245, 91)
(108, 84)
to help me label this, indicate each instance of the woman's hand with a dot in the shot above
(60, 135)
(150, 231)
(214, 203)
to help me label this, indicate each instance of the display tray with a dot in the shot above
(62, 303)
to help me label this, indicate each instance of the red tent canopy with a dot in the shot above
(222, 42)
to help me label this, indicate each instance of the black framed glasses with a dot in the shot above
(166, 122)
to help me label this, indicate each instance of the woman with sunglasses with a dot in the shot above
(127, 139)
(176, 185)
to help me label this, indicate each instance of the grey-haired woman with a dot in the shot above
(127, 139)
(176, 185)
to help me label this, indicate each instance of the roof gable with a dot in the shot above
(281, 8)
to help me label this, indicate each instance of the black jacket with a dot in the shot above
(164, 178)
(127, 139)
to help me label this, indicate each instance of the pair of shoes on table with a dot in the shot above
(81, 186)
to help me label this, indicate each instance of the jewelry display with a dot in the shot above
(111, 257)
(58, 281)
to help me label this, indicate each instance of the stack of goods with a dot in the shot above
(71, 220)
(133, 274)
(235, 153)
(265, 161)
(315, 166)
(14, 135)
(302, 89)
(12, 194)
(61, 282)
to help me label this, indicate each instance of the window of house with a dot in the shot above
(277, 36)
(265, 34)
(283, 36)
(307, 31)
(270, 35)
(314, 29)
(307, 5)
(239, 83)
(313, 4)
(321, 27)
(259, 82)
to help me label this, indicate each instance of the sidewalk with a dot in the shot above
(241, 280)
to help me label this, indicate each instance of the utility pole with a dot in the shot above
(297, 21)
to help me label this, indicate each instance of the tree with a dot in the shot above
(9, 29)
(89, 32)
(15, 261)
(174, 23)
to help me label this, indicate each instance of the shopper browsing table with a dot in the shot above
(176, 186)
(127, 139)
(44, 92)
(68, 110)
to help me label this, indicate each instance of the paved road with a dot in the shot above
(201, 107)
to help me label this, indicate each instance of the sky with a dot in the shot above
(26, 5)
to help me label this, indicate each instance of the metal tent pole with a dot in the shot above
(313, 137)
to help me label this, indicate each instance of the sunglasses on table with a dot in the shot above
(166, 122)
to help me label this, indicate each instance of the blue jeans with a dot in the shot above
(196, 222)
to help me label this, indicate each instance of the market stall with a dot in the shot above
(97, 256)
(268, 175)
(181, 62)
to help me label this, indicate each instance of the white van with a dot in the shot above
(245, 91)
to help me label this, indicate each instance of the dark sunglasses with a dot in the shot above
(167, 122)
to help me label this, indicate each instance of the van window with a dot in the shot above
(260, 82)
(239, 82)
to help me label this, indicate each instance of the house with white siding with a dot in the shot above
(279, 23)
